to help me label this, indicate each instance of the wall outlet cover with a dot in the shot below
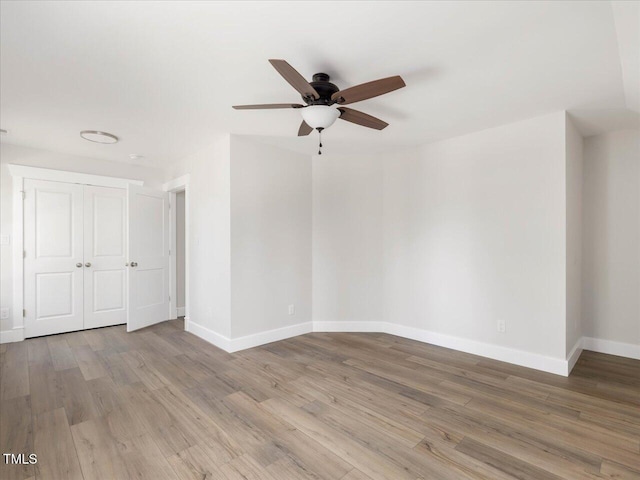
(502, 326)
(4, 313)
(292, 309)
(5, 239)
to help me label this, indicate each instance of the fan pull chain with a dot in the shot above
(320, 140)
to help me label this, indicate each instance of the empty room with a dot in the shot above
(319, 240)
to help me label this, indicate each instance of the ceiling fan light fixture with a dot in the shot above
(320, 116)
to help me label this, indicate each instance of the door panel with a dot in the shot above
(104, 256)
(148, 293)
(107, 222)
(54, 294)
(53, 243)
(54, 223)
(150, 224)
(109, 290)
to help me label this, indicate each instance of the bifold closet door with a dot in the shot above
(53, 257)
(105, 274)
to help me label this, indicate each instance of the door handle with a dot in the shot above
(134, 264)
(78, 265)
(88, 264)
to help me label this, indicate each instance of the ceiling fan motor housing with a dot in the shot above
(324, 88)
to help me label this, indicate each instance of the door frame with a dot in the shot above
(19, 174)
(180, 184)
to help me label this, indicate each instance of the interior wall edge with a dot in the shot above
(574, 354)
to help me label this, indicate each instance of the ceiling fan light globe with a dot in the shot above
(320, 116)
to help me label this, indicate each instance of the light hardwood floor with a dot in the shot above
(163, 404)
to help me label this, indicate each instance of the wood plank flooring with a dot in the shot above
(163, 404)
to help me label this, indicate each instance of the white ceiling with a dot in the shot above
(163, 75)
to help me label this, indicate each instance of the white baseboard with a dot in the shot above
(13, 335)
(574, 355)
(354, 326)
(249, 341)
(496, 352)
(522, 358)
(611, 347)
(207, 334)
(180, 311)
(261, 338)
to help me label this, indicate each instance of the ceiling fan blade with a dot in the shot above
(296, 80)
(267, 106)
(304, 129)
(360, 118)
(368, 90)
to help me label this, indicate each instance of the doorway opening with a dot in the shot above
(179, 239)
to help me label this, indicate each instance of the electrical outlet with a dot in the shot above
(292, 309)
(5, 239)
(4, 313)
(502, 326)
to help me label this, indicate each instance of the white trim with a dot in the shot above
(522, 358)
(16, 334)
(187, 261)
(37, 173)
(180, 311)
(611, 347)
(177, 185)
(207, 334)
(351, 326)
(262, 338)
(17, 320)
(574, 355)
(557, 366)
(173, 242)
(496, 352)
(248, 341)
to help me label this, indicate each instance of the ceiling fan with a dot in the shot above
(321, 96)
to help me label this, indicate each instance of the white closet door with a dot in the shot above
(53, 263)
(104, 256)
(148, 299)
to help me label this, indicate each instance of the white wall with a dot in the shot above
(611, 248)
(12, 154)
(209, 236)
(180, 250)
(574, 171)
(347, 238)
(270, 237)
(475, 233)
(449, 238)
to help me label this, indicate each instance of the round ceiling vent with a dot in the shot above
(98, 137)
